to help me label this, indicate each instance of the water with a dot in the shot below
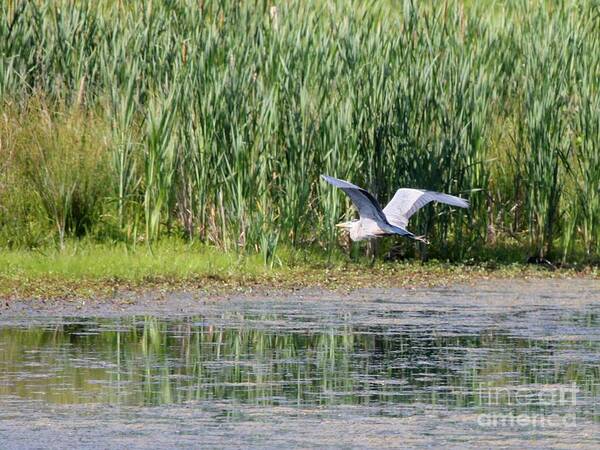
(386, 369)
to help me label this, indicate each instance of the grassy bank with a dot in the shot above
(211, 121)
(91, 270)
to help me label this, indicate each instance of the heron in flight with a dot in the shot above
(375, 222)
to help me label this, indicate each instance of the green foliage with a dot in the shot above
(84, 260)
(57, 167)
(216, 119)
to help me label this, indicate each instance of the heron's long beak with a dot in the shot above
(345, 225)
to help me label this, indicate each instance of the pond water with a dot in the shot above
(387, 369)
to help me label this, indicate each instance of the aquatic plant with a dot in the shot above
(215, 120)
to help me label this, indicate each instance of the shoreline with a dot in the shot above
(496, 293)
(51, 287)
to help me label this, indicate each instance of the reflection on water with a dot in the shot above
(255, 360)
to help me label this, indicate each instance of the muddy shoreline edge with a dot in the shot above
(185, 298)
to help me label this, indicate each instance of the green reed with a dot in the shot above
(224, 114)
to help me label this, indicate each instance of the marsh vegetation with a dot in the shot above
(210, 121)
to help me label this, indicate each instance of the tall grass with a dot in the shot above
(222, 115)
(56, 172)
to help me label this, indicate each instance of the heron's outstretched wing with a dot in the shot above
(406, 202)
(367, 206)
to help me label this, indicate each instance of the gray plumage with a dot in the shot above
(375, 222)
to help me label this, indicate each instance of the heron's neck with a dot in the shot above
(355, 234)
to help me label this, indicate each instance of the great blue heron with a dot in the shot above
(393, 219)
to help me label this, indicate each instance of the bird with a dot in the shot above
(375, 222)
